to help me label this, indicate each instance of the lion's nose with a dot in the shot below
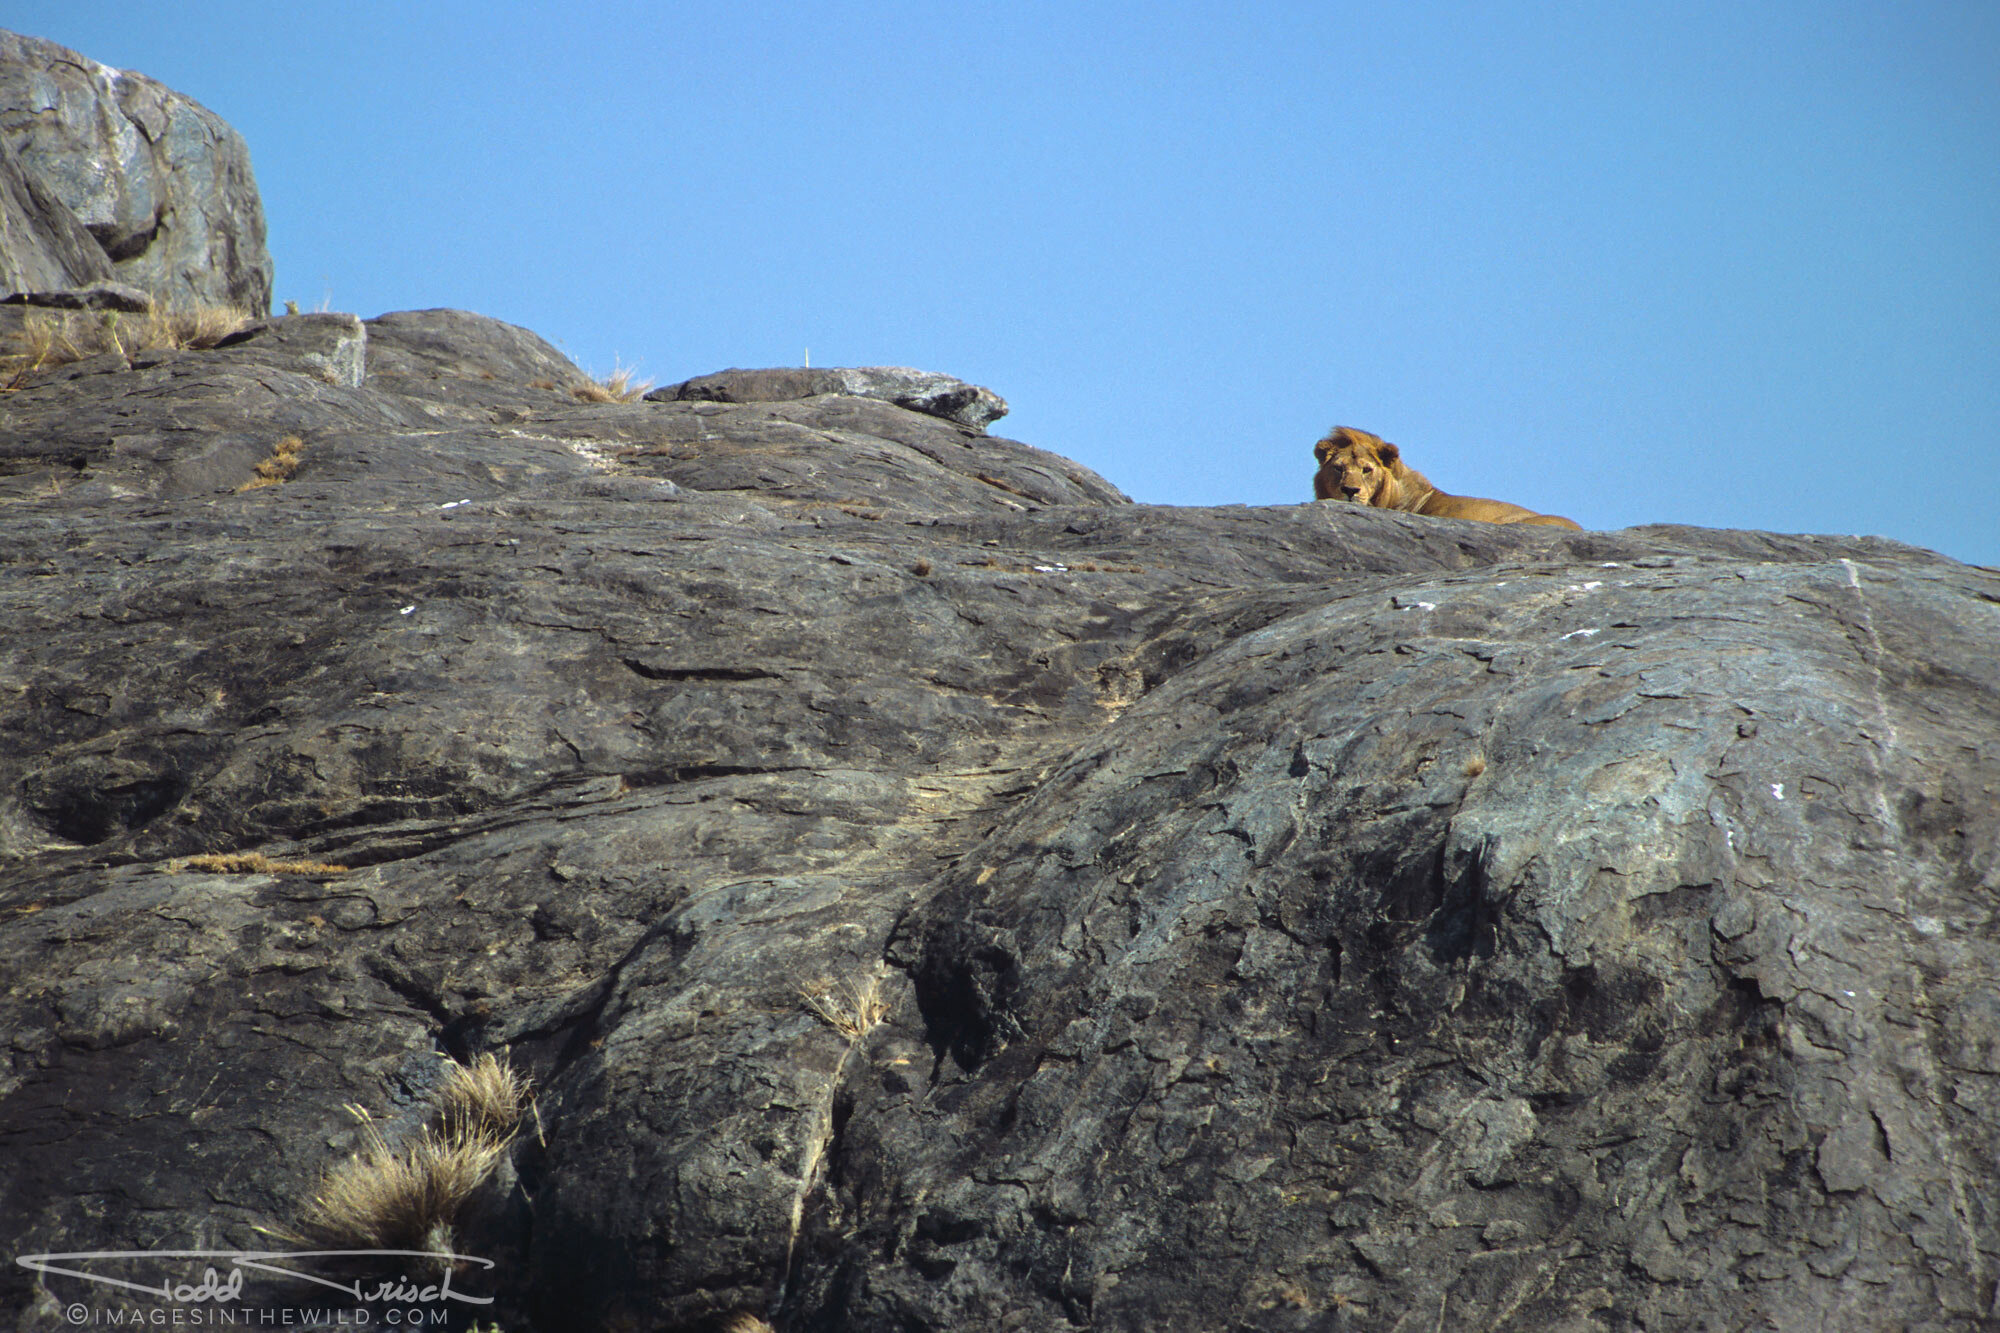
(1351, 491)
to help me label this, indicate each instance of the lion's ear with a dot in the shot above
(1389, 452)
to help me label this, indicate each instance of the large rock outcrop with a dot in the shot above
(919, 390)
(108, 175)
(928, 890)
(933, 892)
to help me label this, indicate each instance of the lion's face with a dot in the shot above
(1358, 467)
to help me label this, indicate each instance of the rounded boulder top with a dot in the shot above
(918, 390)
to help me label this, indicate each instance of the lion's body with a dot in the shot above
(1358, 468)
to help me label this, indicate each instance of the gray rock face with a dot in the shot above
(933, 892)
(919, 390)
(108, 174)
(42, 245)
(1507, 946)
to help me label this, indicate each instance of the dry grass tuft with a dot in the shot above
(852, 1008)
(194, 326)
(617, 387)
(402, 1199)
(46, 340)
(251, 863)
(408, 1198)
(483, 1100)
(1475, 766)
(747, 1323)
(286, 455)
(51, 338)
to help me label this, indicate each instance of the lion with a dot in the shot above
(1360, 468)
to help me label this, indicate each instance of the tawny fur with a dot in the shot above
(1360, 468)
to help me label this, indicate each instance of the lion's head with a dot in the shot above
(1359, 467)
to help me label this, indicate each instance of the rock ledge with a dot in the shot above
(919, 390)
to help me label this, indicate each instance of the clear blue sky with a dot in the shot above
(1727, 264)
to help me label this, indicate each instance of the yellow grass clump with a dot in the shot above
(852, 1008)
(286, 455)
(484, 1099)
(51, 338)
(193, 326)
(251, 863)
(617, 387)
(408, 1197)
(403, 1198)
